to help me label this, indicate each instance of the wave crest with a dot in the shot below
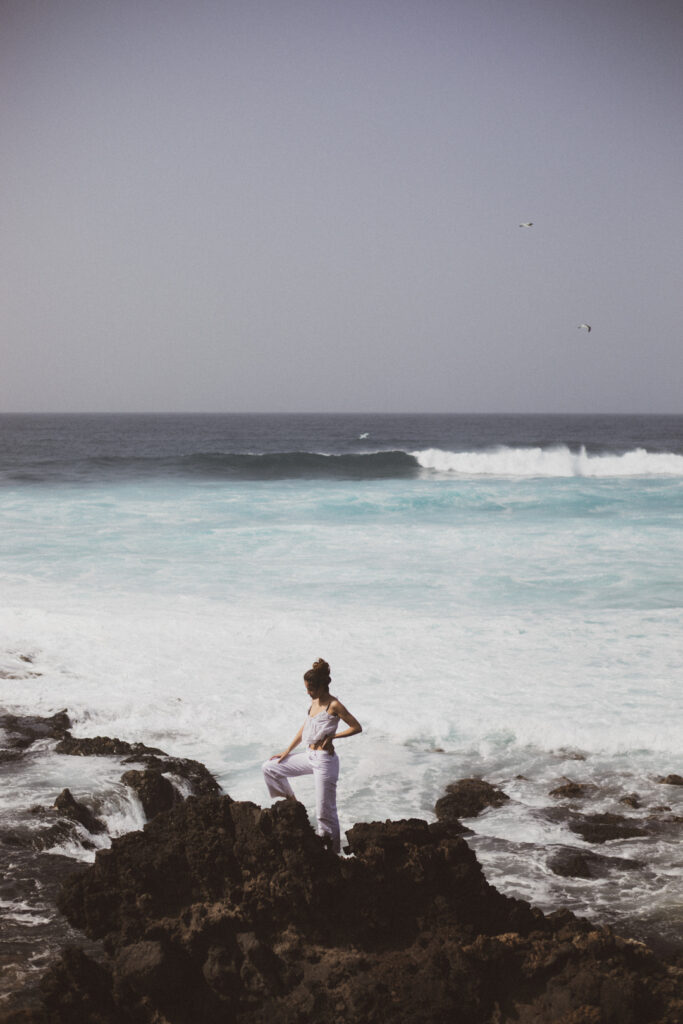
(550, 462)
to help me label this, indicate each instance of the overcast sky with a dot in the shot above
(292, 205)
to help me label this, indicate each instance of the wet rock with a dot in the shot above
(148, 967)
(155, 792)
(600, 828)
(71, 808)
(10, 755)
(469, 797)
(573, 790)
(199, 779)
(572, 863)
(223, 911)
(671, 780)
(24, 730)
(78, 989)
(102, 746)
(631, 800)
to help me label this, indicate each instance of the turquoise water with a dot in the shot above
(496, 596)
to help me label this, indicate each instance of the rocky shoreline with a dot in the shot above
(223, 911)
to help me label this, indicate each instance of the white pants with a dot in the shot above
(324, 768)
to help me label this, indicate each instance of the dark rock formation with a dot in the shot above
(154, 791)
(631, 800)
(103, 746)
(467, 798)
(199, 779)
(71, 808)
(671, 780)
(23, 730)
(573, 790)
(572, 863)
(221, 911)
(599, 828)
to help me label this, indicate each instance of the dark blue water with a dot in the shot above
(81, 448)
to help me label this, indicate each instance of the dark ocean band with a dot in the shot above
(218, 466)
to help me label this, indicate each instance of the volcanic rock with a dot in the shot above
(671, 780)
(102, 746)
(24, 730)
(154, 791)
(221, 911)
(600, 828)
(573, 790)
(467, 798)
(572, 863)
(71, 808)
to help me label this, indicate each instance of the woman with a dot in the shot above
(319, 759)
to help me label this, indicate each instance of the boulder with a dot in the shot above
(102, 746)
(155, 792)
(600, 828)
(671, 780)
(24, 730)
(469, 797)
(572, 863)
(71, 808)
(573, 790)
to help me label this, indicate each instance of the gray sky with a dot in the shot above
(293, 205)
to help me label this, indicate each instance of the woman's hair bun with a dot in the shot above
(319, 673)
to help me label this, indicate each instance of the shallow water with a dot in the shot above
(495, 595)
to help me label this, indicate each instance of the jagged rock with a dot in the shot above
(573, 790)
(467, 798)
(572, 863)
(671, 780)
(10, 755)
(198, 777)
(71, 808)
(77, 989)
(600, 828)
(631, 800)
(222, 911)
(155, 792)
(24, 730)
(103, 746)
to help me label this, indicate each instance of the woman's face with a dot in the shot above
(313, 689)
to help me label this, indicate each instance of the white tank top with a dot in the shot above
(317, 727)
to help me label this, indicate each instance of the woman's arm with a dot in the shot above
(354, 725)
(295, 743)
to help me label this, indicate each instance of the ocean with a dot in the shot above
(498, 596)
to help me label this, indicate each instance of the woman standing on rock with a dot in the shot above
(319, 759)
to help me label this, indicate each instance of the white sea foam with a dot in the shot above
(502, 624)
(559, 461)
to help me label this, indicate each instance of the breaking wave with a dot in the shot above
(550, 462)
(500, 462)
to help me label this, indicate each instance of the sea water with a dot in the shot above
(497, 596)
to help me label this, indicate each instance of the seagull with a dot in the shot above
(361, 437)
(585, 327)
(527, 224)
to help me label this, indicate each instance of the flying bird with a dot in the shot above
(362, 436)
(527, 224)
(585, 327)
